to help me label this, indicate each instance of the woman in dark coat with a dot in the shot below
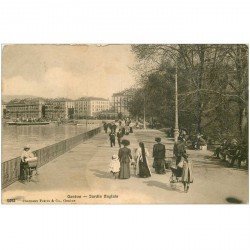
(159, 153)
(142, 161)
(125, 156)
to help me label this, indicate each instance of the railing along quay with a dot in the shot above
(11, 168)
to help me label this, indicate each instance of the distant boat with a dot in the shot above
(27, 123)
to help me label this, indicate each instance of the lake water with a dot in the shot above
(37, 136)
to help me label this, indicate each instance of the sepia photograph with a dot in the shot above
(124, 124)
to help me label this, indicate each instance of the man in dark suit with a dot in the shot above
(112, 138)
(119, 137)
(159, 154)
(113, 127)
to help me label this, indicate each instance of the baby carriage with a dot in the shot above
(29, 167)
(32, 163)
(176, 172)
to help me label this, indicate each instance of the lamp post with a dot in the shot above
(176, 127)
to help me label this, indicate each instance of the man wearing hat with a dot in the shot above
(24, 167)
(159, 153)
(112, 138)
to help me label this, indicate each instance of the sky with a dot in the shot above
(70, 71)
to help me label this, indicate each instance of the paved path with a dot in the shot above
(83, 171)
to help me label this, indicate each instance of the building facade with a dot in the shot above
(25, 109)
(3, 111)
(97, 105)
(121, 101)
(82, 108)
(90, 106)
(59, 109)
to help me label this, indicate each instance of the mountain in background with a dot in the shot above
(7, 98)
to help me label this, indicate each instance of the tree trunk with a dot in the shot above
(243, 122)
(201, 50)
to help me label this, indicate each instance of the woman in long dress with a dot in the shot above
(187, 174)
(142, 168)
(125, 157)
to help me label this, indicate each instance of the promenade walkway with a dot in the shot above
(83, 172)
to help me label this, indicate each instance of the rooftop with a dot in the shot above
(91, 98)
(125, 92)
(51, 100)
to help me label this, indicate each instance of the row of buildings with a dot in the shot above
(54, 109)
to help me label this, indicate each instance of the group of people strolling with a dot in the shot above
(120, 164)
(117, 130)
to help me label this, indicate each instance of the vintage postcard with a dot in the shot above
(124, 124)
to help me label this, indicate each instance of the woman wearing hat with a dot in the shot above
(24, 167)
(179, 150)
(125, 157)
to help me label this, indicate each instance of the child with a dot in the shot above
(114, 166)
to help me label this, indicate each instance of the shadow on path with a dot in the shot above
(101, 174)
(163, 186)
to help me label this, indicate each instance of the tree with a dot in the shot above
(212, 85)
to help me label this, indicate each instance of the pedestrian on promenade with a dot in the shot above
(123, 130)
(142, 168)
(24, 165)
(201, 142)
(112, 138)
(105, 127)
(125, 157)
(187, 173)
(119, 137)
(113, 127)
(223, 146)
(232, 151)
(130, 127)
(159, 154)
(179, 150)
(126, 129)
(114, 166)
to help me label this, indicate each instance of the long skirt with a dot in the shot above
(123, 131)
(187, 172)
(143, 170)
(159, 166)
(124, 170)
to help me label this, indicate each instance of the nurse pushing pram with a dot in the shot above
(183, 172)
(28, 164)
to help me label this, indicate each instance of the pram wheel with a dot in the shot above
(176, 174)
(173, 179)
